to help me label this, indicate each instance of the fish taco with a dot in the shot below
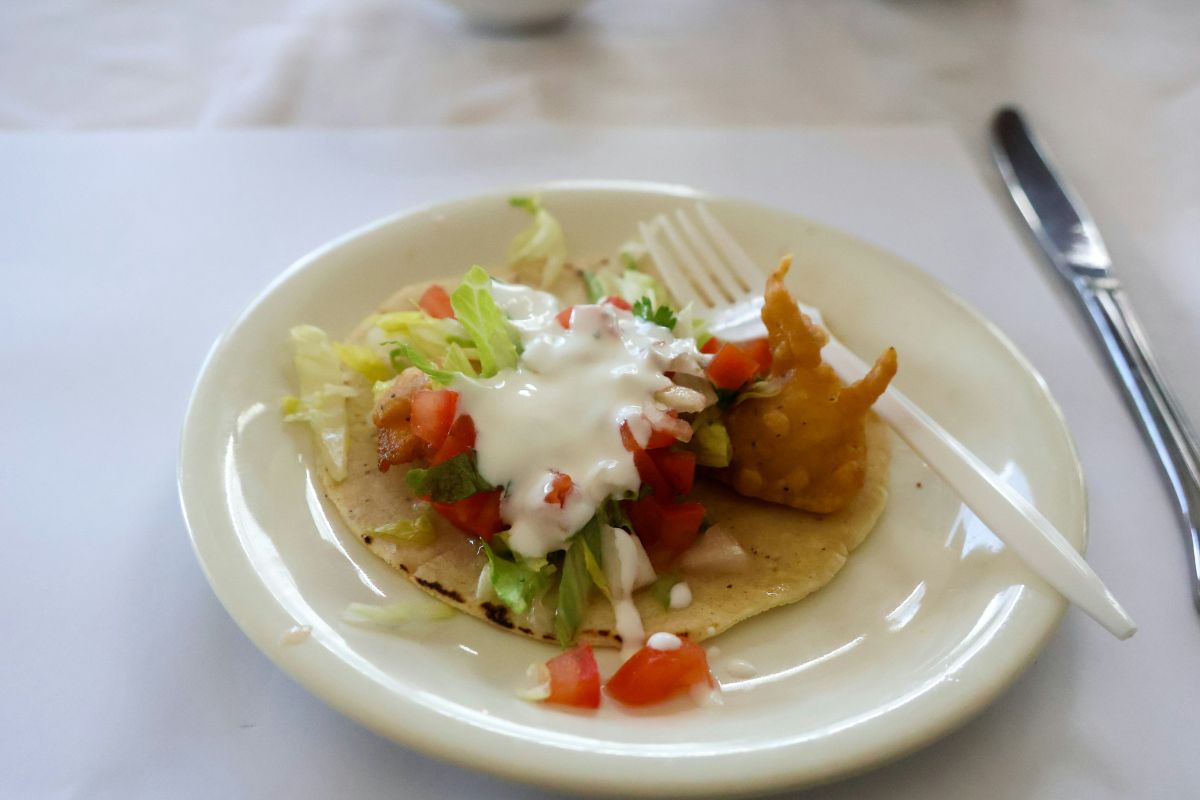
(568, 454)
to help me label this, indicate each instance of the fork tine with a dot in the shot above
(716, 267)
(690, 264)
(676, 283)
(741, 262)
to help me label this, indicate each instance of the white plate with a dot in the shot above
(929, 620)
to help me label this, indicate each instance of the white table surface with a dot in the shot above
(126, 254)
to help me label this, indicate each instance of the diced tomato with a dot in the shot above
(678, 467)
(436, 303)
(459, 439)
(478, 515)
(564, 317)
(651, 676)
(560, 486)
(433, 414)
(619, 302)
(731, 367)
(711, 346)
(679, 526)
(665, 528)
(760, 351)
(575, 678)
(658, 438)
(647, 522)
(650, 474)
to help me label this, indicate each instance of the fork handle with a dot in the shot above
(1162, 422)
(1010, 516)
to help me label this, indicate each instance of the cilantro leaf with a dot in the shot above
(663, 315)
(455, 479)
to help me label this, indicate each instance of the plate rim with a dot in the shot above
(986, 691)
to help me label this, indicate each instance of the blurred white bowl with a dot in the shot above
(515, 14)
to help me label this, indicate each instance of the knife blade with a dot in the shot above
(1071, 243)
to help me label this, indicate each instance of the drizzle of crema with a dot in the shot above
(561, 410)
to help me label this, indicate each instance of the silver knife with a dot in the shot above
(1067, 235)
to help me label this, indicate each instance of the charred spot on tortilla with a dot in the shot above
(790, 553)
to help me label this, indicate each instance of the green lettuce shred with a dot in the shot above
(543, 241)
(322, 399)
(397, 614)
(710, 441)
(516, 584)
(417, 531)
(577, 581)
(494, 337)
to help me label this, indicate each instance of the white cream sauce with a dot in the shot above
(627, 569)
(664, 641)
(562, 408)
(681, 596)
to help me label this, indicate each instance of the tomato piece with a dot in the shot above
(436, 303)
(564, 317)
(760, 351)
(619, 302)
(560, 486)
(678, 467)
(478, 515)
(433, 414)
(647, 521)
(665, 528)
(679, 525)
(650, 474)
(459, 439)
(658, 438)
(731, 367)
(575, 678)
(711, 346)
(651, 676)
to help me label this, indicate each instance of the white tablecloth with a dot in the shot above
(125, 254)
(1114, 87)
(124, 677)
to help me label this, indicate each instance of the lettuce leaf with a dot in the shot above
(710, 441)
(490, 331)
(577, 581)
(396, 614)
(363, 360)
(431, 337)
(455, 479)
(417, 531)
(542, 241)
(516, 584)
(404, 355)
(322, 400)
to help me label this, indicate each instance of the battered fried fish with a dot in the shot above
(806, 446)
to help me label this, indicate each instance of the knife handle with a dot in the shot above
(1163, 423)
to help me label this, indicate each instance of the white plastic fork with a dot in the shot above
(701, 263)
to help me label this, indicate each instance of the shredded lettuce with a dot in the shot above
(404, 355)
(516, 584)
(542, 241)
(661, 588)
(454, 479)
(430, 336)
(456, 361)
(577, 580)
(632, 285)
(322, 400)
(491, 332)
(363, 360)
(417, 531)
(710, 441)
(767, 387)
(396, 614)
